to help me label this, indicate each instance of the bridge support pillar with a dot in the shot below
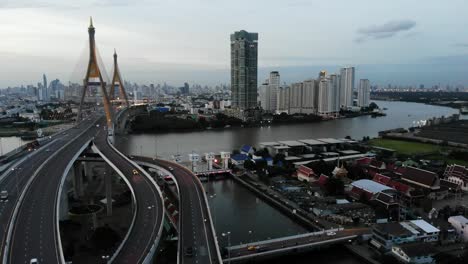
(77, 180)
(108, 183)
(88, 170)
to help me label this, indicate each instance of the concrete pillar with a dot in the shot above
(88, 170)
(209, 158)
(225, 156)
(77, 180)
(108, 183)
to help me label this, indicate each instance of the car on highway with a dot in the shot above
(3, 195)
(135, 172)
(189, 251)
(331, 233)
(34, 261)
(250, 248)
(170, 168)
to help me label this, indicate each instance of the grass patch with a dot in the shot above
(405, 147)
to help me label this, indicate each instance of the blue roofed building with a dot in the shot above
(246, 149)
(239, 159)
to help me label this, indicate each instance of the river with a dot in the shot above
(399, 114)
(237, 210)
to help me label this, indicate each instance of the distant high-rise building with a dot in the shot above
(45, 89)
(295, 98)
(282, 99)
(327, 97)
(364, 93)
(346, 87)
(244, 52)
(309, 96)
(268, 92)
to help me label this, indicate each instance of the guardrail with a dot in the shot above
(96, 149)
(23, 193)
(154, 166)
(152, 250)
(280, 250)
(57, 198)
(218, 252)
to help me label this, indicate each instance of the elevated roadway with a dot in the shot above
(141, 242)
(196, 229)
(33, 231)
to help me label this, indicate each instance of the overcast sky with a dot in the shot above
(398, 41)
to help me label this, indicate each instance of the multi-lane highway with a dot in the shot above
(149, 206)
(34, 231)
(197, 241)
(15, 179)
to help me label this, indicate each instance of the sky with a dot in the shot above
(402, 42)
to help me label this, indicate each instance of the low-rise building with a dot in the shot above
(415, 253)
(457, 174)
(386, 235)
(460, 223)
(305, 173)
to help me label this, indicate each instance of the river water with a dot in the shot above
(237, 210)
(399, 114)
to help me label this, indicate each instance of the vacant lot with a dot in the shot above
(415, 148)
(405, 147)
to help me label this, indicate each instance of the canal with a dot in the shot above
(240, 212)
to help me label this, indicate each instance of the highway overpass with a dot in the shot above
(196, 228)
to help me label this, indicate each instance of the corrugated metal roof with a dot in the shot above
(370, 186)
(428, 228)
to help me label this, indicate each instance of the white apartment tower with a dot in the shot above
(309, 96)
(364, 93)
(283, 100)
(346, 87)
(327, 97)
(295, 98)
(268, 92)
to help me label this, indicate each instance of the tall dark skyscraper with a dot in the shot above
(244, 53)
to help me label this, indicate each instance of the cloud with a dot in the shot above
(386, 30)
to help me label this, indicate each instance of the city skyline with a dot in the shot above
(398, 48)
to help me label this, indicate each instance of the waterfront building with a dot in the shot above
(283, 95)
(347, 75)
(386, 235)
(415, 253)
(364, 93)
(295, 103)
(309, 96)
(244, 52)
(268, 93)
(327, 93)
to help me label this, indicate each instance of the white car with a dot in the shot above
(34, 261)
(4, 195)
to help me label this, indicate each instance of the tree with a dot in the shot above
(373, 106)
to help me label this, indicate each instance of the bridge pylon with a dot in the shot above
(118, 82)
(94, 78)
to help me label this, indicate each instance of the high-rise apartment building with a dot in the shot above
(327, 102)
(364, 93)
(283, 99)
(346, 87)
(268, 92)
(295, 98)
(309, 96)
(244, 53)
